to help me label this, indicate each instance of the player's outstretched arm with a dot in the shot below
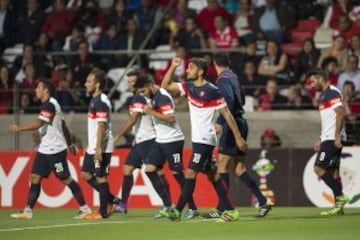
(127, 126)
(167, 80)
(240, 141)
(26, 127)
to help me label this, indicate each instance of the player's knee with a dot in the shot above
(150, 168)
(319, 171)
(35, 178)
(189, 173)
(66, 180)
(222, 164)
(127, 170)
(86, 176)
(240, 169)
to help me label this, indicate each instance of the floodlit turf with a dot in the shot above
(282, 223)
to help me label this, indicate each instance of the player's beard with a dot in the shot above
(196, 77)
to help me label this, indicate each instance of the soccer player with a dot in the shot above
(228, 84)
(205, 100)
(97, 158)
(144, 131)
(168, 144)
(329, 146)
(51, 154)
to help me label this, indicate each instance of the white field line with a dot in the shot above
(103, 222)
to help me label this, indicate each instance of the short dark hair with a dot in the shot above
(326, 61)
(222, 59)
(143, 80)
(100, 77)
(350, 83)
(133, 72)
(318, 73)
(200, 63)
(49, 85)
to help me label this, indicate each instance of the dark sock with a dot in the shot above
(332, 183)
(186, 193)
(76, 191)
(93, 183)
(126, 188)
(104, 196)
(338, 180)
(159, 187)
(254, 188)
(223, 195)
(166, 184)
(226, 178)
(33, 195)
(181, 181)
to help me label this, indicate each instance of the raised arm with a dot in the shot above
(167, 80)
(240, 141)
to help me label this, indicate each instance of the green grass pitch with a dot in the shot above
(288, 223)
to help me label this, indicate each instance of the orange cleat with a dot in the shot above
(93, 216)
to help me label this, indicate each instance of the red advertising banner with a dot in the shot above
(15, 167)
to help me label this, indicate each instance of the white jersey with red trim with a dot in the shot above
(330, 99)
(162, 102)
(204, 103)
(51, 132)
(144, 128)
(99, 111)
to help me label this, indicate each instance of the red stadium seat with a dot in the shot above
(300, 36)
(159, 75)
(308, 25)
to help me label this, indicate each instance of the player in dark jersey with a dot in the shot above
(329, 146)
(51, 154)
(205, 101)
(229, 86)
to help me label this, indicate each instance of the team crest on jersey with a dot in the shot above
(202, 93)
(102, 114)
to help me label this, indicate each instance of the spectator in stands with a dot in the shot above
(133, 39)
(180, 72)
(272, 100)
(58, 24)
(75, 38)
(110, 40)
(42, 47)
(330, 65)
(274, 21)
(306, 60)
(119, 16)
(147, 15)
(7, 25)
(30, 80)
(346, 28)
(250, 81)
(338, 51)
(29, 22)
(351, 74)
(296, 101)
(182, 12)
(224, 36)
(91, 19)
(27, 57)
(238, 59)
(207, 15)
(190, 36)
(270, 140)
(355, 46)
(334, 11)
(26, 104)
(211, 74)
(275, 64)
(352, 113)
(5, 89)
(245, 22)
(66, 96)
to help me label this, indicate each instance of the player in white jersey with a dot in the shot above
(329, 146)
(144, 131)
(169, 143)
(100, 144)
(51, 154)
(205, 101)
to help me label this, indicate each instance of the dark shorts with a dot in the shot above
(201, 155)
(45, 163)
(139, 153)
(328, 155)
(89, 164)
(227, 144)
(170, 152)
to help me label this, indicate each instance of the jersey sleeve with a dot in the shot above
(102, 112)
(332, 101)
(137, 104)
(165, 105)
(47, 112)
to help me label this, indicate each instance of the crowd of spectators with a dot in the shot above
(275, 80)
